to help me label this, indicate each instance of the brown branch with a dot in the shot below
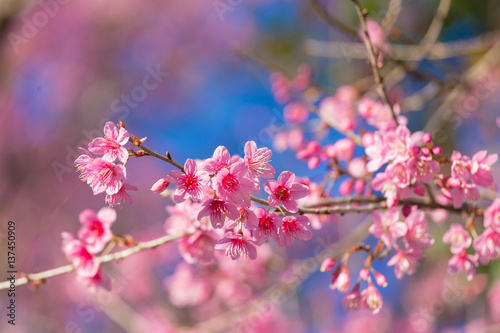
(373, 59)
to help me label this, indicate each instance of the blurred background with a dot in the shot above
(68, 66)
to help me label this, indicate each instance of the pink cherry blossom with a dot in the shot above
(388, 227)
(480, 168)
(220, 159)
(295, 113)
(312, 148)
(269, 224)
(96, 228)
(83, 163)
(76, 251)
(160, 185)
(391, 190)
(458, 237)
(492, 215)
(487, 245)
(371, 299)
(423, 168)
(461, 191)
(339, 109)
(236, 246)
(285, 191)
(352, 300)
(111, 146)
(294, 227)
(397, 144)
(357, 167)
(459, 166)
(344, 149)
(375, 152)
(184, 218)
(258, 161)
(405, 262)
(417, 236)
(93, 282)
(247, 219)
(378, 114)
(197, 247)
(233, 185)
(190, 182)
(463, 262)
(101, 175)
(399, 174)
(121, 197)
(186, 288)
(218, 211)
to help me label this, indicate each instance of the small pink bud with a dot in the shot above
(327, 264)
(335, 276)
(347, 125)
(415, 150)
(160, 186)
(346, 187)
(427, 138)
(312, 148)
(344, 280)
(359, 186)
(295, 113)
(364, 274)
(380, 279)
(437, 150)
(367, 139)
(419, 189)
(331, 151)
(313, 162)
(406, 210)
(425, 151)
(352, 300)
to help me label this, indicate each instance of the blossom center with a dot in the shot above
(230, 183)
(190, 183)
(283, 193)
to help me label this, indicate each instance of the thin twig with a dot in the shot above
(141, 246)
(373, 59)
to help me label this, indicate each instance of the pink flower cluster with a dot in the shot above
(369, 298)
(219, 189)
(107, 174)
(93, 236)
(285, 88)
(486, 245)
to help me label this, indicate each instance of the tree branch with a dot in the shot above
(141, 246)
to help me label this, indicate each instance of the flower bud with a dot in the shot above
(160, 186)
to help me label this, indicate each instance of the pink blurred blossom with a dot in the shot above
(96, 228)
(458, 237)
(388, 227)
(76, 251)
